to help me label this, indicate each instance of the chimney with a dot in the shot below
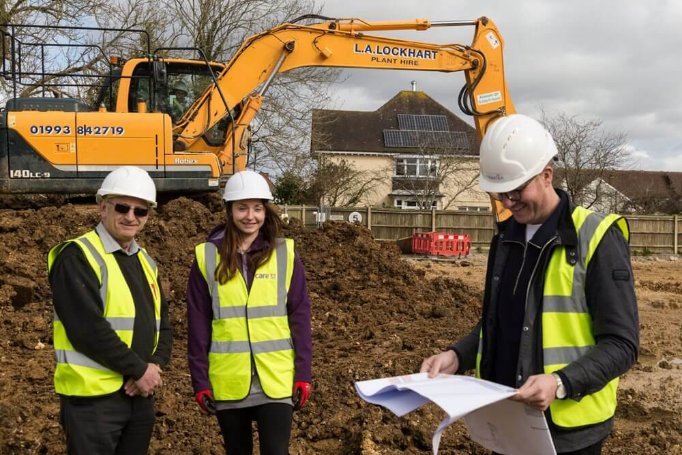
(414, 86)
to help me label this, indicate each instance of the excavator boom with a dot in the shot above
(344, 44)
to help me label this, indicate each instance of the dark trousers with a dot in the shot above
(274, 429)
(112, 425)
(594, 449)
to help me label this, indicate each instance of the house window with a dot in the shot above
(416, 167)
(413, 204)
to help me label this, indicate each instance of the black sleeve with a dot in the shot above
(299, 309)
(466, 349)
(162, 353)
(611, 300)
(77, 302)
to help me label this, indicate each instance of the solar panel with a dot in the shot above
(440, 140)
(423, 122)
(393, 138)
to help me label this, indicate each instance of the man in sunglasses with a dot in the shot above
(559, 320)
(112, 332)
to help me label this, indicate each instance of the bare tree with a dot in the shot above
(281, 132)
(459, 175)
(219, 27)
(45, 18)
(338, 183)
(586, 154)
(148, 15)
(282, 129)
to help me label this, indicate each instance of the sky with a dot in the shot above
(617, 61)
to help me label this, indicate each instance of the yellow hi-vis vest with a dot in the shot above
(250, 323)
(566, 321)
(76, 374)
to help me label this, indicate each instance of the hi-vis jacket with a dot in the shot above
(579, 319)
(250, 326)
(566, 321)
(75, 373)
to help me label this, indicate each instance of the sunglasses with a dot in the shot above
(124, 209)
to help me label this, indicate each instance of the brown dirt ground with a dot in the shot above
(375, 313)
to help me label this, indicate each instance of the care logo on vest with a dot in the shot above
(266, 276)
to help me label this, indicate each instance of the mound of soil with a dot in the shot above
(374, 315)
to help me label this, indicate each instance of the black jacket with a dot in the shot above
(610, 298)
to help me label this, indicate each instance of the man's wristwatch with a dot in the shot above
(560, 387)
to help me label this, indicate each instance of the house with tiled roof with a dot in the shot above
(412, 152)
(627, 191)
(648, 191)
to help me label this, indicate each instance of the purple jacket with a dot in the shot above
(200, 316)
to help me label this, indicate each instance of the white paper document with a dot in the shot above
(496, 423)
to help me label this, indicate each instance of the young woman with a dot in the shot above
(248, 315)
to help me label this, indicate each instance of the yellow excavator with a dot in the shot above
(187, 121)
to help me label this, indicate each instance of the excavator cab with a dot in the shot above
(163, 85)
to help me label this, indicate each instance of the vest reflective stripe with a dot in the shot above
(564, 356)
(104, 274)
(247, 324)
(479, 353)
(75, 373)
(566, 322)
(76, 358)
(245, 346)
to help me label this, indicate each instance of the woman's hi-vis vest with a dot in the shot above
(566, 321)
(250, 323)
(76, 374)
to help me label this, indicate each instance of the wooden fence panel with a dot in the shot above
(479, 226)
(648, 234)
(653, 234)
(389, 224)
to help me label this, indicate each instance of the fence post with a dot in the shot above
(433, 219)
(303, 215)
(676, 233)
(369, 218)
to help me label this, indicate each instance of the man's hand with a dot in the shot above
(445, 362)
(301, 394)
(204, 399)
(538, 391)
(145, 386)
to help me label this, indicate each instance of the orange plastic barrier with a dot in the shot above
(441, 244)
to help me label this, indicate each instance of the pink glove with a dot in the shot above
(301, 394)
(204, 399)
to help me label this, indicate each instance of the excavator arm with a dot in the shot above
(238, 93)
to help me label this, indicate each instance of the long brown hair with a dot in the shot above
(229, 249)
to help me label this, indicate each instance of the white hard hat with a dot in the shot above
(514, 149)
(247, 185)
(128, 181)
(181, 86)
